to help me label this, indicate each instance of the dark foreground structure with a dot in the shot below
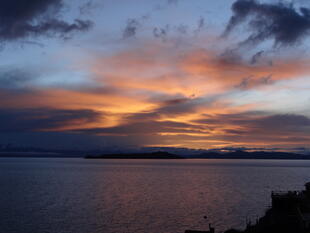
(289, 213)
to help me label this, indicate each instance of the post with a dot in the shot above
(211, 229)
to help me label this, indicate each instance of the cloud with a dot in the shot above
(131, 28)
(159, 94)
(259, 120)
(161, 120)
(226, 70)
(259, 128)
(144, 128)
(30, 18)
(173, 2)
(87, 7)
(42, 119)
(14, 78)
(174, 109)
(200, 25)
(279, 22)
(285, 123)
(159, 69)
(256, 57)
(161, 33)
(182, 29)
(255, 129)
(114, 103)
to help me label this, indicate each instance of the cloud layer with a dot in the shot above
(157, 82)
(159, 96)
(29, 18)
(280, 22)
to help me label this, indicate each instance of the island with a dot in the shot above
(153, 155)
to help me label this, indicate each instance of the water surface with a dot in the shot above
(126, 196)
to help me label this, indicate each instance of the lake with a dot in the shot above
(126, 196)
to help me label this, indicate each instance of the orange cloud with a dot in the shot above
(196, 72)
(173, 97)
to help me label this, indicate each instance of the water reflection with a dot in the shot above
(83, 196)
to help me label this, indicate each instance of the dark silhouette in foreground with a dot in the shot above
(211, 230)
(289, 213)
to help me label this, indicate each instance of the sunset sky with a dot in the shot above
(82, 74)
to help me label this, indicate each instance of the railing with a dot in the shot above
(291, 195)
(279, 192)
(286, 193)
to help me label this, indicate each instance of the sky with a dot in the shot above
(89, 74)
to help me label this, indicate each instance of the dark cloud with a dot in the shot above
(14, 78)
(260, 124)
(161, 32)
(87, 7)
(280, 22)
(244, 84)
(146, 128)
(182, 29)
(250, 82)
(27, 18)
(285, 123)
(150, 124)
(182, 106)
(256, 57)
(230, 57)
(55, 140)
(256, 128)
(131, 28)
(250, 128)
(24, 120)
(176, 101)
(35, 43)
(229, 118)
(200, 25)
(172, 107)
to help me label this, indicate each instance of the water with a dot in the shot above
(126, 196)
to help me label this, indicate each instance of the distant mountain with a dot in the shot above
(250, 155)
(206, 155)
(153, 155)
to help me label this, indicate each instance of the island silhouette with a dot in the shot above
(206, 155)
